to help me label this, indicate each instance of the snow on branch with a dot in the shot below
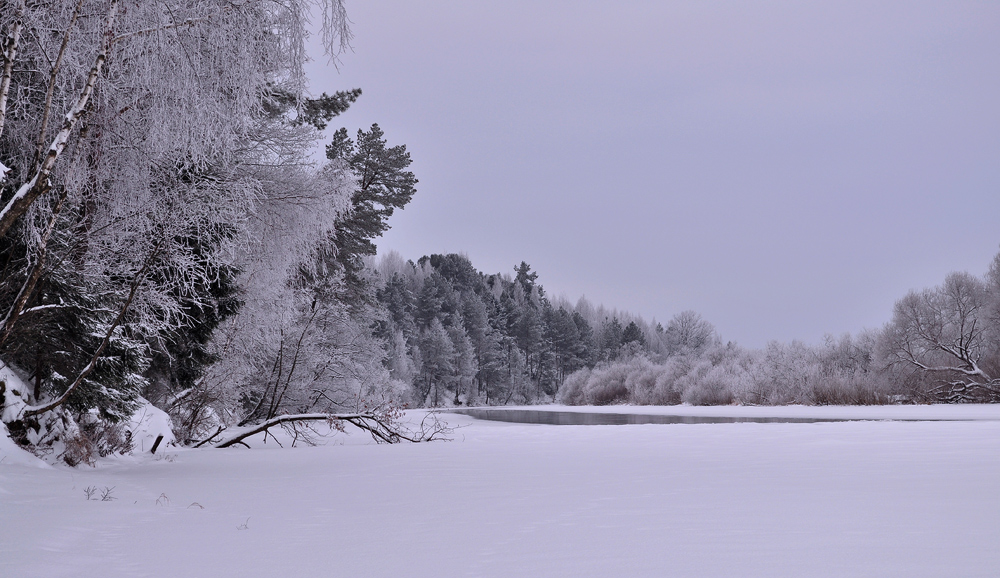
(39, 182)
(136, 282)
(9, 54)
(383, 428)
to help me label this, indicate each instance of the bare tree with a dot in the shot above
(947, 332)
(688, 332)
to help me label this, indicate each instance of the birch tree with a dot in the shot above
(144, 145)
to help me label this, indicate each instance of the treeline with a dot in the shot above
(942, 345)
(460, 336)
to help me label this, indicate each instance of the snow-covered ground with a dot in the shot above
(867, 498)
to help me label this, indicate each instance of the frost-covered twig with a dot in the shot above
(9, 54)
(39, 183)
(53, 73)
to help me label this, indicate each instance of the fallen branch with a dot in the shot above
(967, 392)
(382, 429)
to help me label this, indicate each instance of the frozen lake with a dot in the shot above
(544, 417)
(842, 498)
(630, 415)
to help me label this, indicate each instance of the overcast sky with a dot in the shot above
(786, 169)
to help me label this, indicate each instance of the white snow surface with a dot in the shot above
(148, 423)
(12, 454)
(862, 498)
(13, 405)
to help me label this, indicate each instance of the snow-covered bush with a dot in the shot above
(607, 384)
(840, 371)
(571, 392)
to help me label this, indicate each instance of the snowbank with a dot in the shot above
(148, 423)
(10, 452)
(13, 404)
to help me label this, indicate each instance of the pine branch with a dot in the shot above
(133, 289)
(17, 308)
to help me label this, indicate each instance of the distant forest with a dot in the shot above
(458, 336)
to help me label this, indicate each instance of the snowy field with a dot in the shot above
(864, 498)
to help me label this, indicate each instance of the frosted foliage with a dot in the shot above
(838, 372)
(401, 366)
(285, 351)
(175, 142)
(144, 136)
(306, 357)
(687, 332)
(295, 210)
(389, 264)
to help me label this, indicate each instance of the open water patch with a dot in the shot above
(546, 417)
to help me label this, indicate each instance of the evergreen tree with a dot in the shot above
(586, 349)
(564, 335)
(611, 338)
(526, 278)
(438, 354)
(399, 301)
(317, 112)
(632, 334)
(384, 185)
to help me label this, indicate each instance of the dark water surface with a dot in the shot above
(579, 418)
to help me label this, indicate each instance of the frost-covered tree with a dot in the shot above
(949, 335)
(152, 159)
(439, 359)
(522, 344)
(688, 332)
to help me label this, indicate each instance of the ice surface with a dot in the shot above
(871, 498)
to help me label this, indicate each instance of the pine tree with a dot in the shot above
(384, 185)
(438, 353)
(611, 338)
(632, 334)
